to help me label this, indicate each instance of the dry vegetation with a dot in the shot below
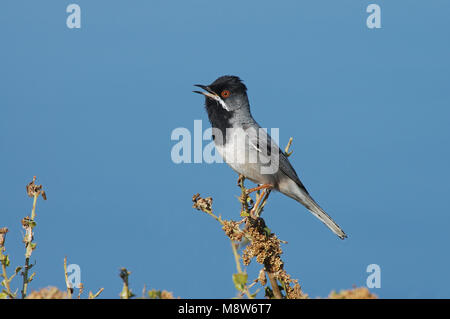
(29, 223)
(264, 246)
(250, 239)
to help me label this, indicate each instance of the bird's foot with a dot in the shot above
(264, 186)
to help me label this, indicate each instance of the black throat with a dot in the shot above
(219, 118)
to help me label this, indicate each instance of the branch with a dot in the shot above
(4, 260)
(240, 279)
(274, 283)
(91, 296)
(28, 223)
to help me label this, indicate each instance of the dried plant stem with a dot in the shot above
(28, 223)
(236, 256)
(6, 280)
(239, 268)
(218, 218)
(288, 146)
(274, 283)
(275, 287)
(255, 213)
(29, 247)
(91, 296)
(4, 260)
(33, 211)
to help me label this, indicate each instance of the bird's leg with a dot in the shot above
(255, 207)
(264, 186)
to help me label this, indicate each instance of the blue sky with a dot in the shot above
(90, 111)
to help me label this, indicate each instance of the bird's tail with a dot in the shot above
(317, 211)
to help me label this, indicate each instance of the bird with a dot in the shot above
(249, 150)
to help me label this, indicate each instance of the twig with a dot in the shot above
(4, 260)
(236, 257)
(91, 296)
(204, 204)
(28, 223)
(239, 269)
(275, 287)
(286, 150)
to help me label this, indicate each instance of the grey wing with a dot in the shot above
(286, 168)
(267, 147)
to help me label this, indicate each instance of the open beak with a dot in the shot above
(209, 93)
(212, 95)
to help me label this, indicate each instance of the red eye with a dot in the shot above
(225, 93)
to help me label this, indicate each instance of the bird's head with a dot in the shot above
(227, 92)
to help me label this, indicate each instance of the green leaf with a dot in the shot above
(240, 280)
(244, 214)
(3, 295)
(6, 261)
(267, 231)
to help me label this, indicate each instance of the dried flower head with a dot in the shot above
(262, 279)
(203, 204)
(35, 190)
(232, 230)
(3, 232)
